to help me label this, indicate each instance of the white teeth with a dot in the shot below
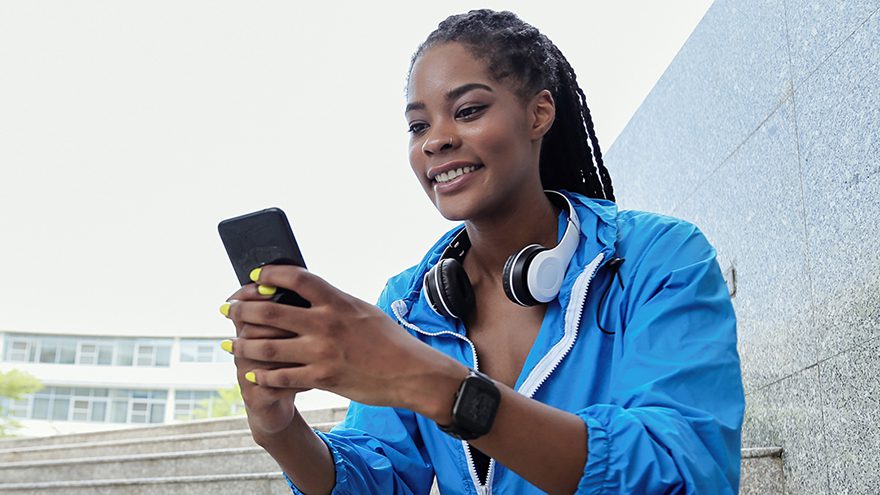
(452, 174)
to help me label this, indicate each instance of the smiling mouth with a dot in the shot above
(450, 175)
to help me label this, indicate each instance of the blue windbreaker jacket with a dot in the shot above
(661, 398)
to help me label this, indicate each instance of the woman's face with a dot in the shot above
(473, 142)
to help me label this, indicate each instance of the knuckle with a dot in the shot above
(284, 380)
(268, 351)
(269, 312)
(325, 377)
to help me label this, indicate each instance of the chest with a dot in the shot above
(503, 334)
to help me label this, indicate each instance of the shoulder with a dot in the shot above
(642, 233)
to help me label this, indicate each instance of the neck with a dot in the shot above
(532, 219)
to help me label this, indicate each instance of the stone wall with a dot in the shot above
(765, 132)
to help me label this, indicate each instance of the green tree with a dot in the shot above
(14, 385)
(228, 402)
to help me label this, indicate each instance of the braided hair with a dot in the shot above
(516, 50)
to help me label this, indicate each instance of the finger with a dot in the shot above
(249, 292)
(269, 314)
(300, 351)
(257, 397)
(283, 378)
(251, 331)
(305, 283)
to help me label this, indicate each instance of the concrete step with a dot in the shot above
(170, 443)
(761, 472)
(196, 426)
(186, 463)
(268, 483)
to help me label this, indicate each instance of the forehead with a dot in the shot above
(444, 67)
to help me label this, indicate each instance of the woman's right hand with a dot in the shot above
(269, 410)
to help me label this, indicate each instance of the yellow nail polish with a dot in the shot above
(255, 274)
(224, 309)
(266, 290)
(251, 377)
(226, 345)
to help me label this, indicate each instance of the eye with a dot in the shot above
(469, 112)
(417, 128)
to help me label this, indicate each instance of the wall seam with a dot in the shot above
(867, 343)
(806, 240)
(730, 155)
(833, 50)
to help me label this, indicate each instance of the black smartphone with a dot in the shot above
(262, 238)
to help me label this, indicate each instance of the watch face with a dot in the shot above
(477, 405)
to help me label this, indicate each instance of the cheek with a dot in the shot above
(498, 141)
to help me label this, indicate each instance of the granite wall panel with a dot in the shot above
(838, 116)
(817, 28)
(789, 414)
(851, 391)
(751, 210)
(673, 143)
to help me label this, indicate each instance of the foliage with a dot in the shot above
(14, 385)
(229, 403)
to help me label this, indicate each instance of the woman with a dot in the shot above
(586, 384)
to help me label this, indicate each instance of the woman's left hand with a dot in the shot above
(344, 345)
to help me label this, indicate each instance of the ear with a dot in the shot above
(542, 110)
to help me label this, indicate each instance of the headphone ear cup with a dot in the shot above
(505, 278)
(455, 288)
(448, 289)
(515, 275)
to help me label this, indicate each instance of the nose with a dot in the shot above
(438, 144)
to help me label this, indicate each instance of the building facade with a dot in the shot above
(96, 382)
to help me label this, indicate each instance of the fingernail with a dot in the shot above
(266, 290)
(226, 345)
(255, 274)
(251, 377)
(224, 309)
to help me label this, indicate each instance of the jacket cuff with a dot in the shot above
(338, 465)
(598, 452)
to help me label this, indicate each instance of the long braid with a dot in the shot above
(570, 154)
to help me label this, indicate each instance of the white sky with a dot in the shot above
(128, 130)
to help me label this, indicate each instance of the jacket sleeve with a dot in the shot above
(378, 450)
(674, 420)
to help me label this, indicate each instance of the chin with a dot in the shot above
(456, 209)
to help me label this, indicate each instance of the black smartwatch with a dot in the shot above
(476, 403)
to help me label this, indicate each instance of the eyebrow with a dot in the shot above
(450, 95)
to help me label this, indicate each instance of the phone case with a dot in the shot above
(262, 238)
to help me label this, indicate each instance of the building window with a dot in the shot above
(152, 353)
(202, 351)
(92, 351)
(19, 349)
(95, 405)
(193, 404)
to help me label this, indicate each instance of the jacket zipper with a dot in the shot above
(472, 467)
(542, 370)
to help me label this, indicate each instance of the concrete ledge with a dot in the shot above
(267, 483)
(169, 443)
(754, 452)
(331, 415)
(203, 462)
